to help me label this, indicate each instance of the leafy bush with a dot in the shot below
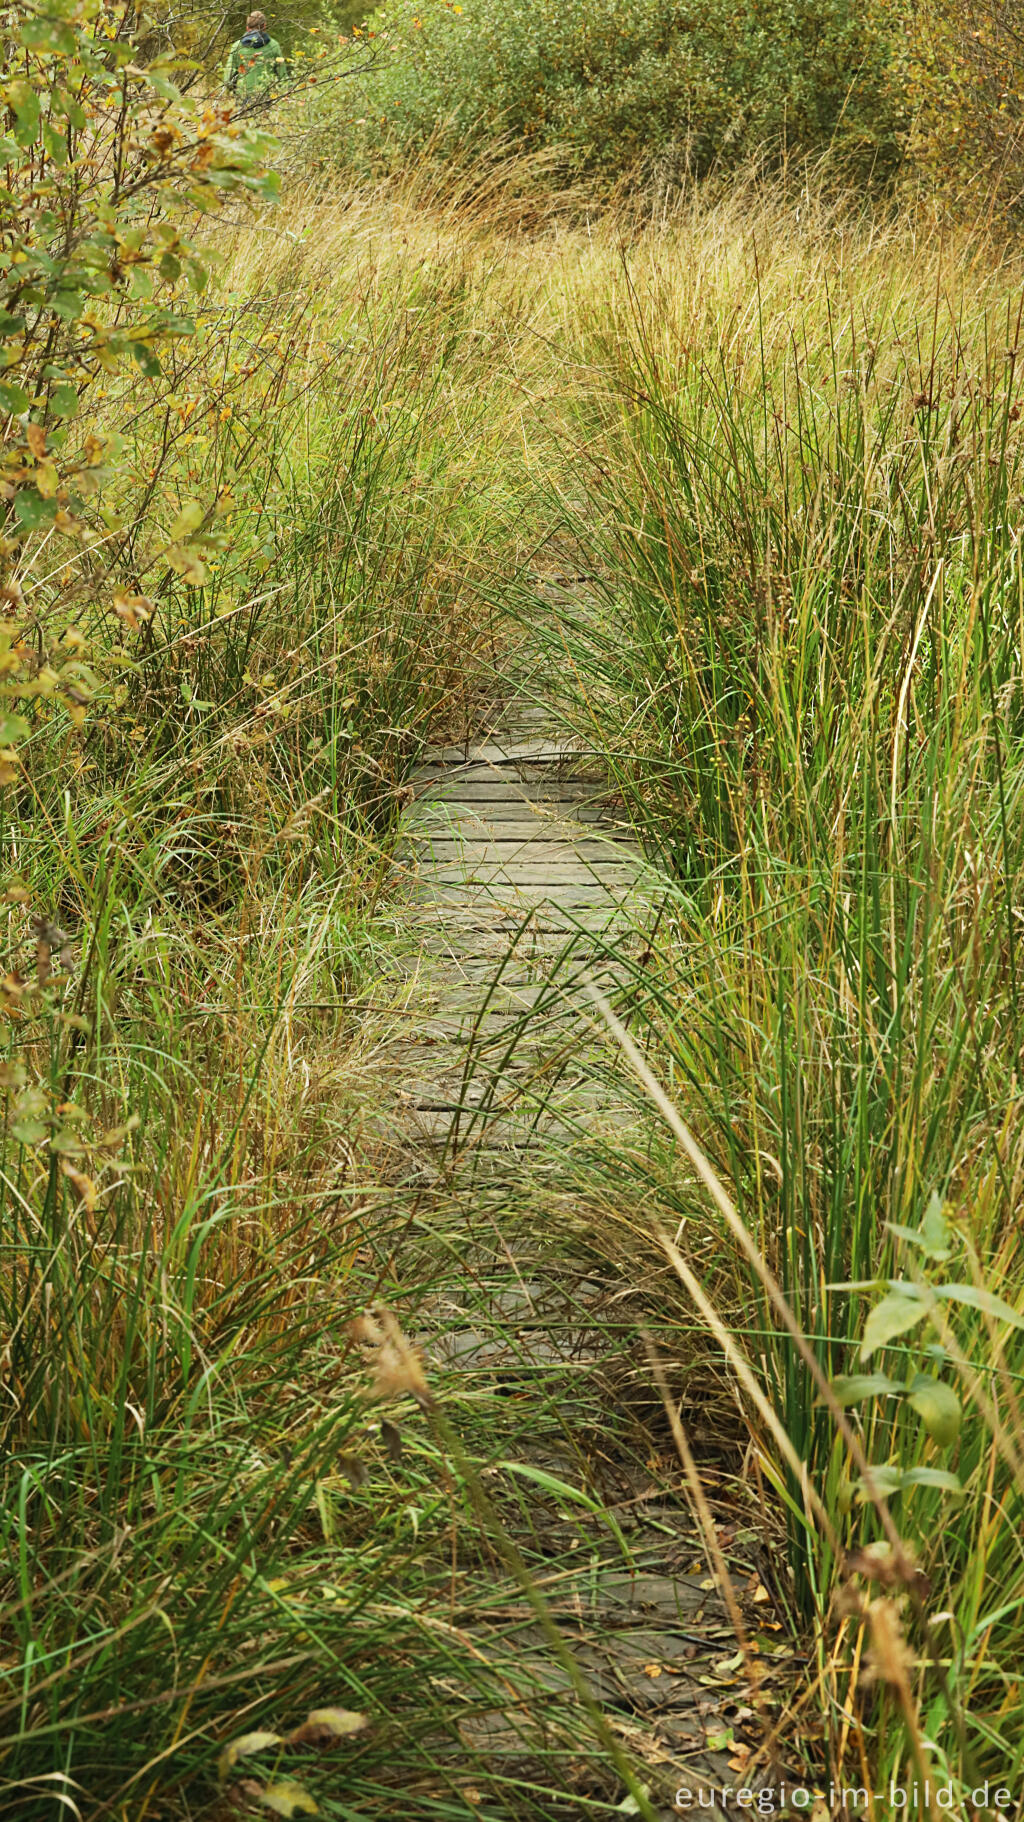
(619, 83)
(100, 156)
(959, 70)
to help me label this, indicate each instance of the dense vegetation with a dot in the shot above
(274, 482)
(648, 83)
(656, 91)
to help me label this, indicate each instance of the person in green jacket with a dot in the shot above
(257, 62)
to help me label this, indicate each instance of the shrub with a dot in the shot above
(959, 69)
(621, 83)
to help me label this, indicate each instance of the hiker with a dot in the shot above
(256, 62)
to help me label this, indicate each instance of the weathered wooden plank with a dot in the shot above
(527, 780)
(552, 822)
(502, 750)
(444, 785)
(473, 852)
(512, 878)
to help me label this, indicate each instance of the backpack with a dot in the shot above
(255, 62)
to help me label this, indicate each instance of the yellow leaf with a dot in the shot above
(187, 565)
(189, 520)
(340, 1721)
(46, 478)
(288, 1799)
(134, 610)
(240, 1748)
(84, 1185)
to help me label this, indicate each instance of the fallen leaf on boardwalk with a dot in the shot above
(325, 1726)
(760, 1594)
(246, 1743)
(288, 1799)
(652, 1670)
(717, 1742)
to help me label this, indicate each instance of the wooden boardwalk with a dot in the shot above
(515, 873)
(516, 884)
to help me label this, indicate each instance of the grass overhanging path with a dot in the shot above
(513, 873)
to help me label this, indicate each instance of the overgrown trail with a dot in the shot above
(516, 875)
(512, 856)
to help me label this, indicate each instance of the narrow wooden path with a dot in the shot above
(512, 856)
(517, 882)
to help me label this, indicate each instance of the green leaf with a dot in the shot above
(933, 1477)
(718, 1740)
(64, 402)
(33, 510)
(852, 1387)
(14, 398)
(933, 1236)
(68, 305)
(48, 35)
(147, 359)
(55, 143)
(29, 1132)
(22, 97)
(67, 107)
(188, 520)
(886, 1482)
(980, 1300)
(160, 86)
(550, 1483)
(13, 728)
(66, 1143)
(240, 1749)
(286, 1798)
(903, 1309)
(938, 1407)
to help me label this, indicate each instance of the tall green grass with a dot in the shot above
(795, 494)
(783, 462)
(190, 1191)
